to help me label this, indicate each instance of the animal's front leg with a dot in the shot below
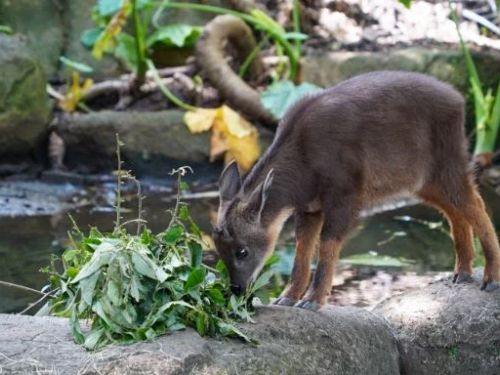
(307, 229)
(321, 284)
(340, 213)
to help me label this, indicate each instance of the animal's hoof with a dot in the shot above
(462, 277)
(284, 301)
(490, 286)
(308, 305)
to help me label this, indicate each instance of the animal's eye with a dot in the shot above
(242, 253)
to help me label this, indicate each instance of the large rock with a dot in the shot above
(446, 328)
(329, 68)
(155, 142)
(24, 106)
(41, 22)
(291, 341)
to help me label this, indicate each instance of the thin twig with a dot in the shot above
(31, 305)
(22, 287)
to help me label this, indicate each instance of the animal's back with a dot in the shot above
(390, 132)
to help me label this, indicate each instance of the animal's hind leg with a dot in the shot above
(475, 212)
(466, 204)
(461, 232)
(307, 229)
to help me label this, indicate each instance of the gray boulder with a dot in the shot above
(24, 106)
(446, 328)
(291, 341)
(329, 68)
(155, 142)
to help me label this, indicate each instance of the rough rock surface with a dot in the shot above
(446, 63)
(24, 107)
(446, 328)
(291, 341)
(154, 141)
(40, 21)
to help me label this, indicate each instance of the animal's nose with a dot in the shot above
(236, 289)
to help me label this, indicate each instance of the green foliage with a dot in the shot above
(486, 104)
(261, 21)
(135, 287)
(111, 18)
(4, 29)
(81, 67)
(176, 35)
(280, 96)
(406, 3)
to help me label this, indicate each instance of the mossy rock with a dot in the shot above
(24, 106)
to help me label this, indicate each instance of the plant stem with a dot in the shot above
(22, 287)
(296, 25)
(119, 184)
(251, 56)
(139, 43)
(170, 96)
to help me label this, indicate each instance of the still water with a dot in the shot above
(415, 233)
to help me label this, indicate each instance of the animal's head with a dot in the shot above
(243, 236)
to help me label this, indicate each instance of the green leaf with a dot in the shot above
(216, 296)
(262, 280)
(89, 36)
(87, 287)
(108, 7)
(4, 29)
(296, 36)
(201, 326)
(81, 67)
(175, 35)
(281, 95)
(173, 234)
(144, 266)
(93, 339)
(195, 278)
(126, 51)
(406, 3)
(196, 254)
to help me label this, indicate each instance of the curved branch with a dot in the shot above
(211, 61)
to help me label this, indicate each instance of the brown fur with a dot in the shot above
(366, 140)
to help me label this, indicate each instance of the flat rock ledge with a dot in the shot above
(446, 328)
(338, 340)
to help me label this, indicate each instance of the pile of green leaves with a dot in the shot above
(135, 287)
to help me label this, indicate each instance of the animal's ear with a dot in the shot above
(229, 182)
(261, 194)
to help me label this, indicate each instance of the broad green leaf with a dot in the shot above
(93, 339)
(173, 234)
(126, 51)
(216, 296)
(175, 35)
(262, 280)
(195, 278)
(406, 3)
(87, 287)
(4, 29)
(81, 67)
(196, 254)
(281, 95)
(201, 326)
(109, 7)
(99, 259)
(144, 266)
(90, 36)
(75, 328)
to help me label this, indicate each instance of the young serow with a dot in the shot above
(369, 139)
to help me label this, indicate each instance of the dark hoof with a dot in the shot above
(462, 277)
(490, 286)
(284, 301)
(308, 305)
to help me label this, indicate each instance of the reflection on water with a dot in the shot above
(27, 242)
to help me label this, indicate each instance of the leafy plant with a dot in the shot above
(486, 104)
(261, 21)
(4, 29)
(278, 97)
(76, 89)
(112, 18)
(135, 287)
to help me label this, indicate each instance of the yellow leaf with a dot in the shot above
(75, 92)
(107, 39)
(199, 120)
(245, 150)
(218, 140)
(236, 125)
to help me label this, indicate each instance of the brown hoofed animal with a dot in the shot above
(371, 138)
